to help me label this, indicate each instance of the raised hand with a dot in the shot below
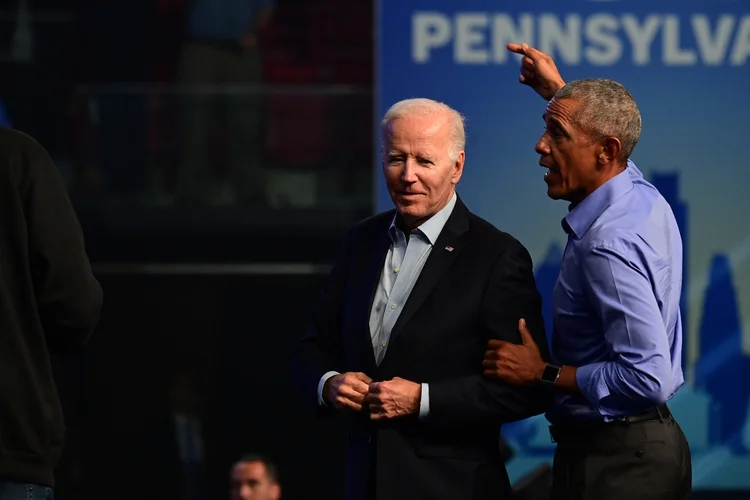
(538, 70)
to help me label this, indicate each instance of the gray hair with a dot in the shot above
(428, 107)
(607, 110)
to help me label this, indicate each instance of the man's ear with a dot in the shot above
(611, 147)
(458, 168)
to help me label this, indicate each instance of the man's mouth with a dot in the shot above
(551, 172)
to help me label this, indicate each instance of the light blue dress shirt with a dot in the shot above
(403, 265)
(617, 302)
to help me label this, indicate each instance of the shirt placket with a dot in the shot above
(400, 248)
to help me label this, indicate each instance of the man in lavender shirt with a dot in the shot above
(617, 338)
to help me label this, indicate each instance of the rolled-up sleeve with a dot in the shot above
(639, 370)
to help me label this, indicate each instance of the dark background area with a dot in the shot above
(219, 292)
(237, 333)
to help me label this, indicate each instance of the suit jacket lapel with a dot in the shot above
(447, 247)
(372, 267)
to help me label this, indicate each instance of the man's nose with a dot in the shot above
(542, 147)
(408, 174)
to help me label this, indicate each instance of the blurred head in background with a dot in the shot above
(254, 477)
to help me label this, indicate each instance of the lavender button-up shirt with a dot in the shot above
(617, 302)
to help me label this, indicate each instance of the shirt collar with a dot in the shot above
(432, 227)
(581, 216)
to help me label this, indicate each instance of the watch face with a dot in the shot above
(550, 373)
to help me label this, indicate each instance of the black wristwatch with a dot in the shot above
(551, 373)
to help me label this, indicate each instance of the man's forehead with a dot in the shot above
(412, 147)
(416, 126)
(560, 108)
(249, 469)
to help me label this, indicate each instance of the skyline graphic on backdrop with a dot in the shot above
(686, 66)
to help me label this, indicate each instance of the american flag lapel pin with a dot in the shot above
(449, 248)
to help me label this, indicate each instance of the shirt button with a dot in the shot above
(393, 306)
(396, 270)
(384, 344)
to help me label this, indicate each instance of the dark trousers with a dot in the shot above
(622, 461)
(24, 491)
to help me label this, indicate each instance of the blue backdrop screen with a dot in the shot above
(686, 65)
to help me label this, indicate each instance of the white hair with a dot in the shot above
(428, 107)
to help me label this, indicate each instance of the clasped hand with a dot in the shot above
(388, 399)
(393, 398)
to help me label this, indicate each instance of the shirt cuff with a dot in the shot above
(591, 383)
(322, 384)
(424, 402)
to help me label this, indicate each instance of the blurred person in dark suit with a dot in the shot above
(222, 48)
(174, 458)
(254, 477)
(49, 304)
(397, 338)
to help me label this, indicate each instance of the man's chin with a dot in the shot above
(409, 210)
(555, 194)
(410, 213)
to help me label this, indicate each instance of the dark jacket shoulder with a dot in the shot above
(374, 222)
(493, 236)
(480, 231)
(22, 157)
